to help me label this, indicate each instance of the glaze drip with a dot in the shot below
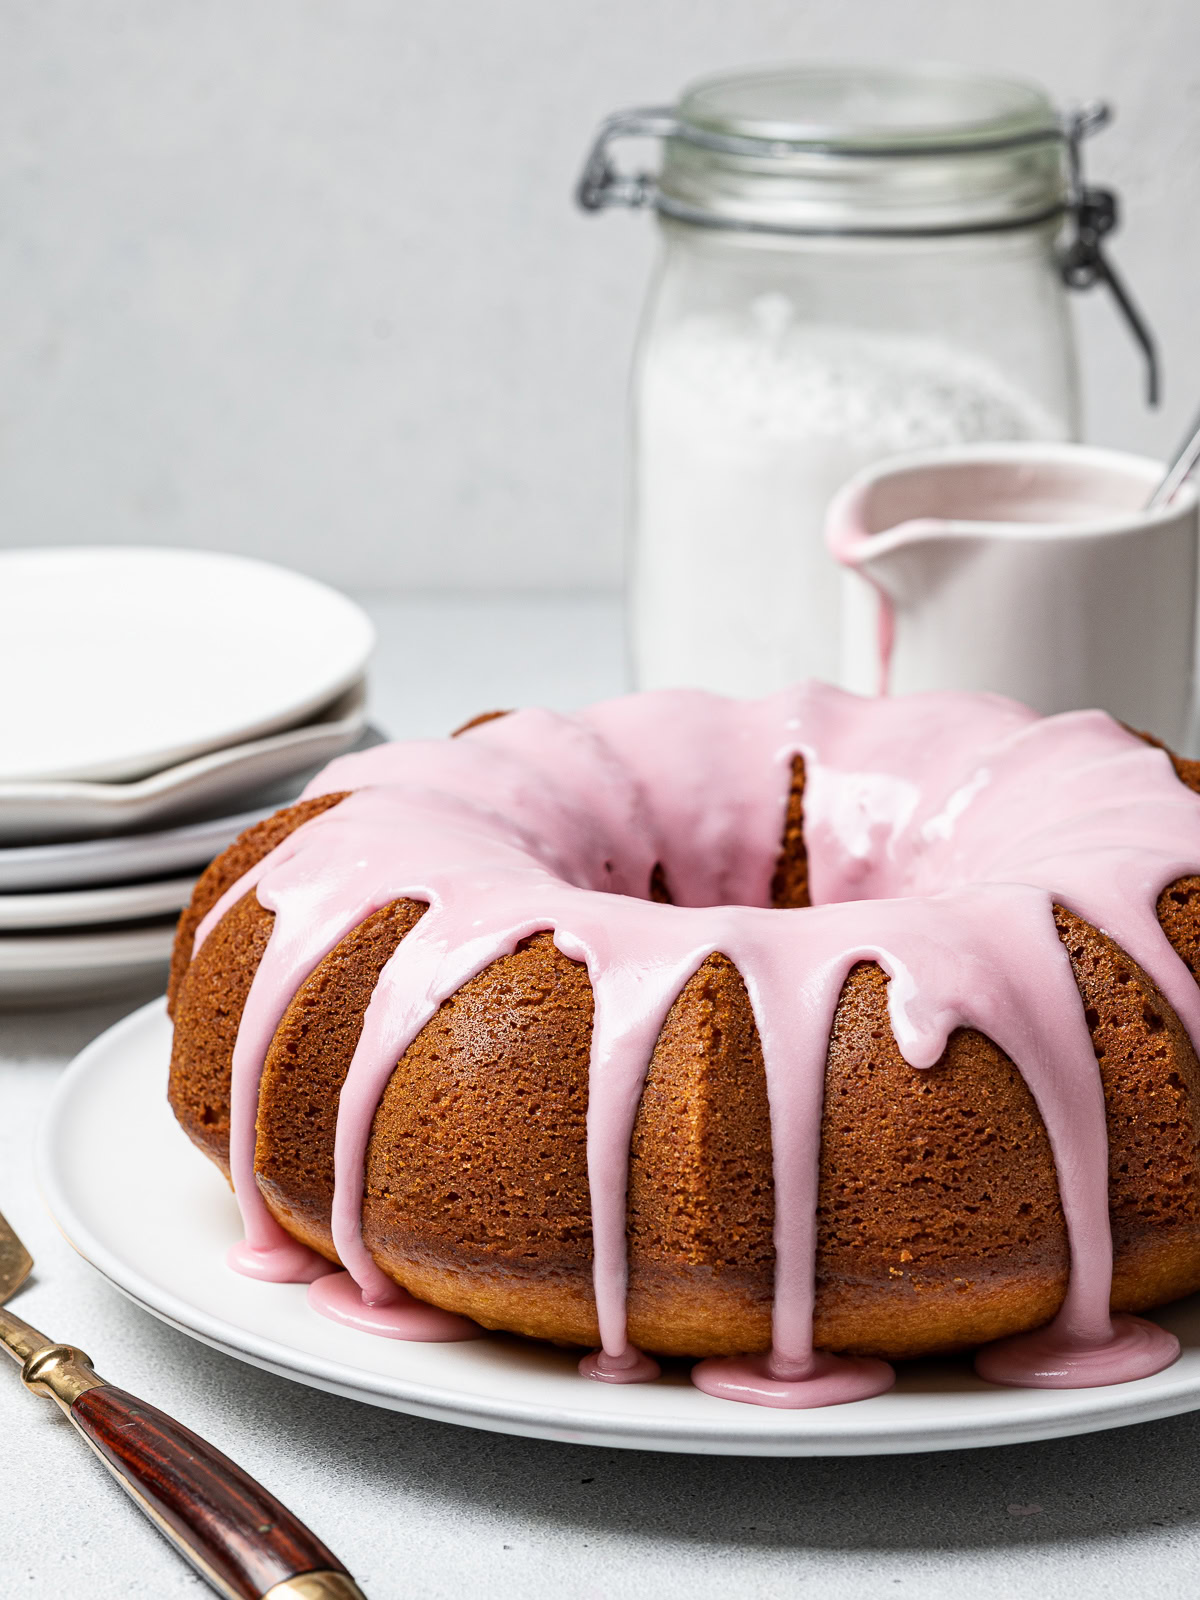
(395, 1315)
(631, 1366)
(941, 829)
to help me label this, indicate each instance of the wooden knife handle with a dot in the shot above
(237, 1536)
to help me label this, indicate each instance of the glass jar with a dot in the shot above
(854, 262)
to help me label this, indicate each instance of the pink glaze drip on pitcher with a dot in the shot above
(941, 829)
(851, 544)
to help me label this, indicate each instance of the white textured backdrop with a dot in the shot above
(302, 278)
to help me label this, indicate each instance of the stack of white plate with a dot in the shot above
(157, 702)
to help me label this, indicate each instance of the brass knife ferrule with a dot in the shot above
(59, 1370)
(316, 1586)
(62, 1372)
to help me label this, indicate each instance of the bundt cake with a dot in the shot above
(800, 1035)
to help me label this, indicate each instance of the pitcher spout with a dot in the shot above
(891, 562)
(1031, 570)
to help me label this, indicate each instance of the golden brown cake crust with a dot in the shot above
(305, 1069)
(207, 1013)
(205, 996)
(939, 1224)
(789, 887)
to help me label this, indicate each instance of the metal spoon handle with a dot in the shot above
(1179, 471)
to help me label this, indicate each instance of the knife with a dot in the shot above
(237, 1536)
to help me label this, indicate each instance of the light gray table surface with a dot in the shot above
(419, 1510)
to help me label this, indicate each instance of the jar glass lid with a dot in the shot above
(867, 109)
(923, 149)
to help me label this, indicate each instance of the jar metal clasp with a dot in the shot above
(601, 183)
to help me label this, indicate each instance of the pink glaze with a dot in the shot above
(630, 1366)
(851, 543)
(289, 1261)
(395, 1315)
(827, 1381)
(941, 831)
(1043, 1359)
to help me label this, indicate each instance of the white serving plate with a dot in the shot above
(119, 662)
(84, 908)
(40, 969)
(62, 809)
(109, 1145)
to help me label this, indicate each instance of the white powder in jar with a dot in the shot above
(746, 425)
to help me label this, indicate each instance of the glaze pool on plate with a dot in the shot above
(109, 1142)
